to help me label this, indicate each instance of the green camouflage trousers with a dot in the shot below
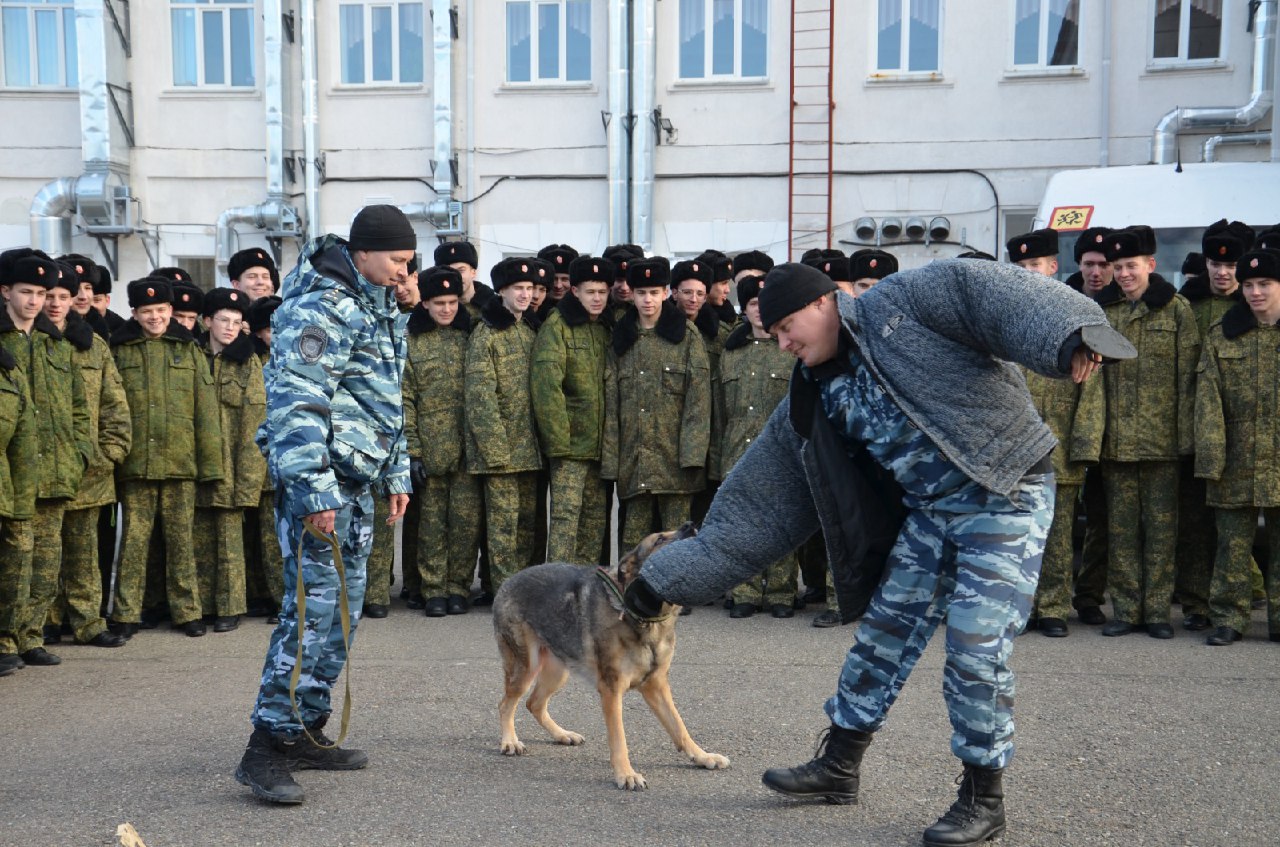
(775, 587)
(17, 543)
(410, 563)
(647, 513)
(1197, 540)
(1142, 530)
(538, 551)
(263, 564)
(1091, 581)
(1231, 590)
(141, 501)
(577, 512)
(46, 564)
(510, 510)
(1053, 594)
(80, 597)
(448, 530)
(377, 591)
(218, 535)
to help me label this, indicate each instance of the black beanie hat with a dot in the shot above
(748, 289)
(696, 269)
(149, 291)
(253, 257)
(103, 285)
(835, 267)
(86, 270)
(382, 228)
(649, 273)
(1193, 265)
(1226, 242)
(1258, 264)
(1037, 244)
(224, 298)
(591, 269)
(558, 256)
(872, 264)
(261, 311)
(1131, 241)
(26, 265)
(790, 287)
(453, 252)
(439, 281)
(752, 260)
(67, 279)
(1091, 240)
(976, 254)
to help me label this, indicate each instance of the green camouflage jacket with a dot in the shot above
(1077, 414)
(500, 429)
(172, 403)
(714, 334)
(18, 441)
(242, 407)
(1238, 412)
(567, 381)
(657, 407)
(1207, 306)
(64, 441)
(435, 421)
(108, 409)
(754, 375)
(1151, 399)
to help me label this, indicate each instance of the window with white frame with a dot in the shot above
(908, 36)
(1046, 33)
(549, 42)
(212, 42)
(1187, 30)
(38, 40)
(724, 39)
(382, 43)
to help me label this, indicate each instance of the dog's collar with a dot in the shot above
(612, 584)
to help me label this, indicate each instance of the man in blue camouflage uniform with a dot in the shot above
(334, 431)
(928, 469)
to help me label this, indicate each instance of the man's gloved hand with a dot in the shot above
(417, 472)
(642, 601)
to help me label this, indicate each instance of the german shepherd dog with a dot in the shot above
(556, 618)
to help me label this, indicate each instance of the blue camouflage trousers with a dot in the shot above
(971, 558)
(323, 653)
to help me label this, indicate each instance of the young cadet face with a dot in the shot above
(265, 335)
(406, 293)
(861, 286)
(187, 319)
(154, 319)
(383, 267)
(559, 286)
(690, 295)
(719, 293)
(593, 296)
(1222, 277)
(26, 299)
(752, 313)
(1047, 265)
(620, 291)
(1096, 272)
(539, 296)
(56, 304)
(254, 282)
(468, 275)
(224, 326)
(443, 309)
(1263, 297)
(517, 296)
(1133, 275)
(83, 301)
(812, 333)
(648, 300)
(101, 302)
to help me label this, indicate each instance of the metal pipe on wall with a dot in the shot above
(1213, 142)
(644, 133)
(310, 119)
(1104, 83)
(617, 138)
(442, 32)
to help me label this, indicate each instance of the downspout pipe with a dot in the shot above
(1104, 83)
(1164, 141)
(644, 134)
(442, 43)
(310, 119)
(617, 137)
(1212, 143)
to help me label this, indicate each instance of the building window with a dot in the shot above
(724, 39)
(549, 42)
(1187, 30)
(212, 42)
(382, 42)
(39, 40)
(907, 36)
(1046, 33)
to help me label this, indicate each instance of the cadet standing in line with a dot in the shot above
(264, 566)
(1238, 444)
(542, 483)
(866, 268)
(1150, 412)
(620, 296)
(657, 407)
(221, 505)
(718, 293)
(435, 429)
(253, 273)
(502, 446)
(567, 383)
(1076, 414)
(102, 300)
(18, 439)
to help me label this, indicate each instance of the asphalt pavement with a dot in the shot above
(1128, 741)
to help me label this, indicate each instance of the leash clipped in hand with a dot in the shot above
(344, 615)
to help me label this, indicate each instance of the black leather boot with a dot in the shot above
(265, 769)
(976, 816)
(832, 774)
(307, 756)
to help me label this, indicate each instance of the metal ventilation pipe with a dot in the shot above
(644, 133)
(1164, 143)
(50, 216)
(310, 118)
(1212, 143)
(617, 135)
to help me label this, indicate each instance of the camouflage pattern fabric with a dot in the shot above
(775, 587)
(509, 513)
(264, 565)
(1197, 541)
(1231, 591)
(501, 437)
(46, 563)
(648, 513)
(1142, 512)
(17, 446)
(450, 508)
(381, 561)
(577, 512)
(409, 556)
(17, 544)
(242, 408)
(1053, 593)
(81, 582)
(218, 535)
(1091, 580)
(109, 422)
(567, 384)
(143, 501)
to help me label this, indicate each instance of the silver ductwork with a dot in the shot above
(644, 132)
(1213, 142)
(1164, 142)
(617, 138)
(50, 214)
(310, 118)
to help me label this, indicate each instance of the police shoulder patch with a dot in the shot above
(312, 342)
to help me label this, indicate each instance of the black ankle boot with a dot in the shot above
(976, 816)
(308, 756)
(832, 774)
(265, 769)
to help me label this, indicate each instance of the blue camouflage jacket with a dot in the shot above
(334, 410)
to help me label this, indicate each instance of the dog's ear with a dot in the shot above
(629, 566)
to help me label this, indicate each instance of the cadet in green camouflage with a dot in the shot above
(264, 566)
(1238, 444)
(17, 500)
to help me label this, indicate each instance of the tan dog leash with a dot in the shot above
(344, 615)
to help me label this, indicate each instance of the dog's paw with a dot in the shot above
(711, 761)
(570, 739)
(630, 781)
(512, 748)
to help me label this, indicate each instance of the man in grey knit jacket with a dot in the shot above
(911, 441)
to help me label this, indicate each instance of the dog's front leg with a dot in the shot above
(657, 693)
(624, 776)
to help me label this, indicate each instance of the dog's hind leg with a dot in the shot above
(624, 776)
(551, 679)
(520, 666)
(656, 691)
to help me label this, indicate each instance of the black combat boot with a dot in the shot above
(308, 756)
(265, 768)
(832, 774)
(976, 816)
